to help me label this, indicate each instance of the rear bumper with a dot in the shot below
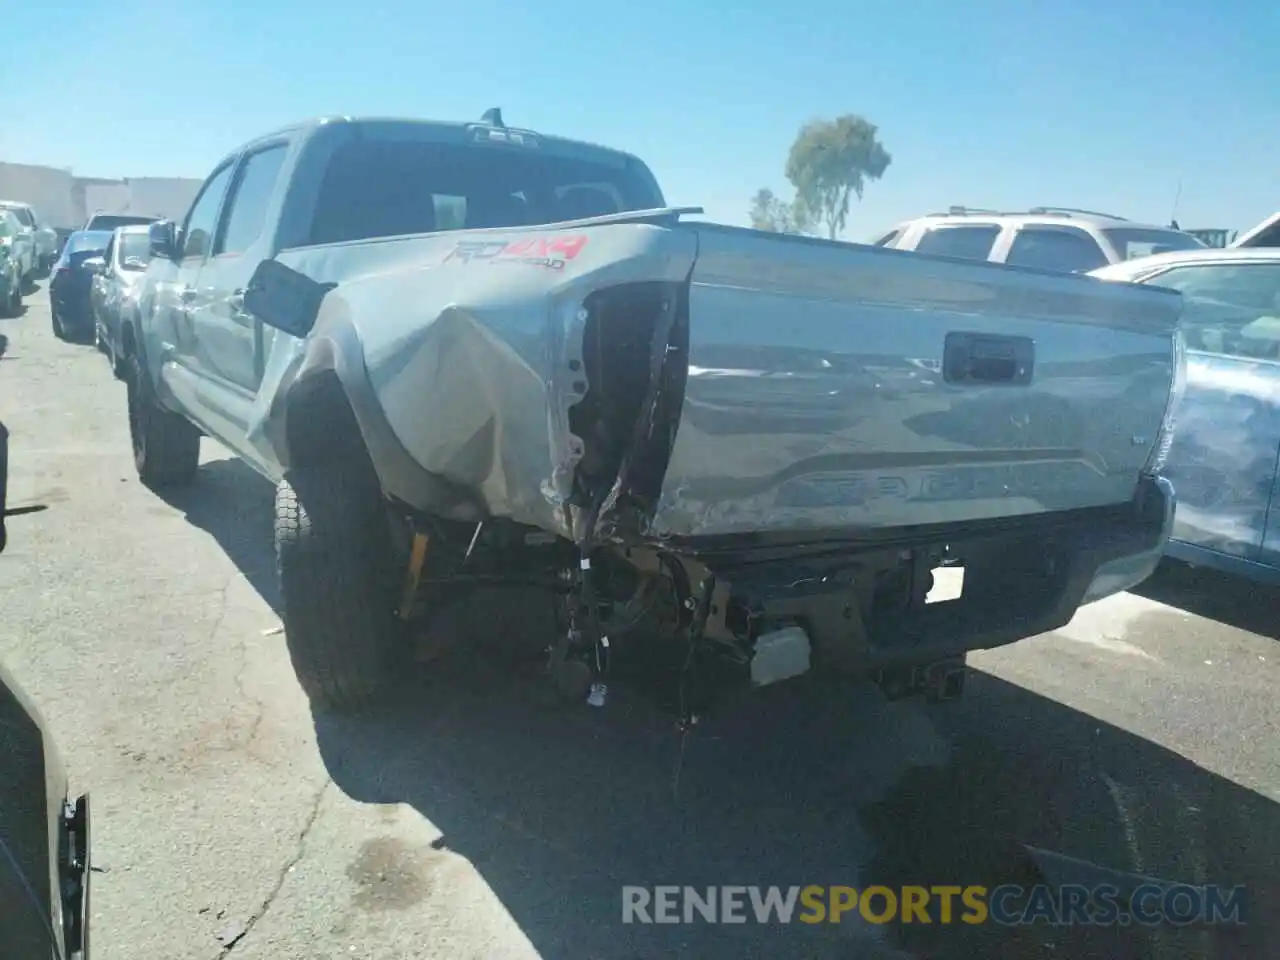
(1121, 572)
(1021, 578)
(1092, 561)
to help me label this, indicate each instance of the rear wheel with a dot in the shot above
(13, 303)
(334, 562)
(166, 446)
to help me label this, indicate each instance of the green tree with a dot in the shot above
(832, 159)
(770, 212)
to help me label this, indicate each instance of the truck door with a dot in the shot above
(1227, 429)
(229, 340)
(175, 291)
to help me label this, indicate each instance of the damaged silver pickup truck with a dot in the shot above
(475, 358)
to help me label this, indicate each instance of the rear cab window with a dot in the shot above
(970, 241)
(395, 181)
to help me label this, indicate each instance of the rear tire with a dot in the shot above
(334, 564)
(59, 330)
(166, 446)
(13, 304)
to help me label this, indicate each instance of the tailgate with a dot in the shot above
(836, 387)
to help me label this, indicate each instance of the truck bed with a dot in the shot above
(698, 380)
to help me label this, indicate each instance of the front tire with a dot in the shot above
(166, 446)
(337, 584)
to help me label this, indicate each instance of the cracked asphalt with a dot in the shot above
(472, 818)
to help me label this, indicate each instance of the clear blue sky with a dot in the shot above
(986, 102)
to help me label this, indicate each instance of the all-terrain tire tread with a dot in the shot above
(169, 455)
(335, 575)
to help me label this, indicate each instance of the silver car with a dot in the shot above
(1226, 435)
(11, 275)
(44, 237)
(114, 288)
(23, 243)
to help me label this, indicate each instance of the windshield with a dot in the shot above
(111, 221)
(384, 188)
(1132, 243)
(135, 250)
(23, 215)
(95, 241)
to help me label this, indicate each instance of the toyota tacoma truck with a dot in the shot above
(475, 359)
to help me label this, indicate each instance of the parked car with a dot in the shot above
(44, 237)
(473, 357)
(109, 221)
(1226, 438)
(114, 288)
(71, 280)
(10, 265)
(22, 244)
(44, 828)
(1050, 238)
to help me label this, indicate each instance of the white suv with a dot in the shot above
(1051, 238)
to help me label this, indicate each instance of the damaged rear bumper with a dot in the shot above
(1022, 578)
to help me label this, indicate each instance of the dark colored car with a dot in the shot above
(71, 281)
(44, 833)
(109, 221)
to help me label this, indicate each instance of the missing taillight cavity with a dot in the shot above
(635, 345)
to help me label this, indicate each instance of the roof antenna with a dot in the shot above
(493, 117)
(1173, 216)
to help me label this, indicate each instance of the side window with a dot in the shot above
(249, 200)
(1055, 248)
(887, 239)
(197, 232)
(971, 243)
(1229, 308)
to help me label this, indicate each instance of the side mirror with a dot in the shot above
(164, 240)
(94, 264)
(283, 298)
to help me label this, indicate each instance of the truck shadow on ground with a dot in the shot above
(557, 807)
(1234, 601)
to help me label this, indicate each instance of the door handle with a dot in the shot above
(976, 358)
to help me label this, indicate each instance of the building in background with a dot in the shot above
(65, 201)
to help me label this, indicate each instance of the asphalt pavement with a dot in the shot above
(475, 818)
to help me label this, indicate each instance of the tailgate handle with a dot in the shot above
(982, 358)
